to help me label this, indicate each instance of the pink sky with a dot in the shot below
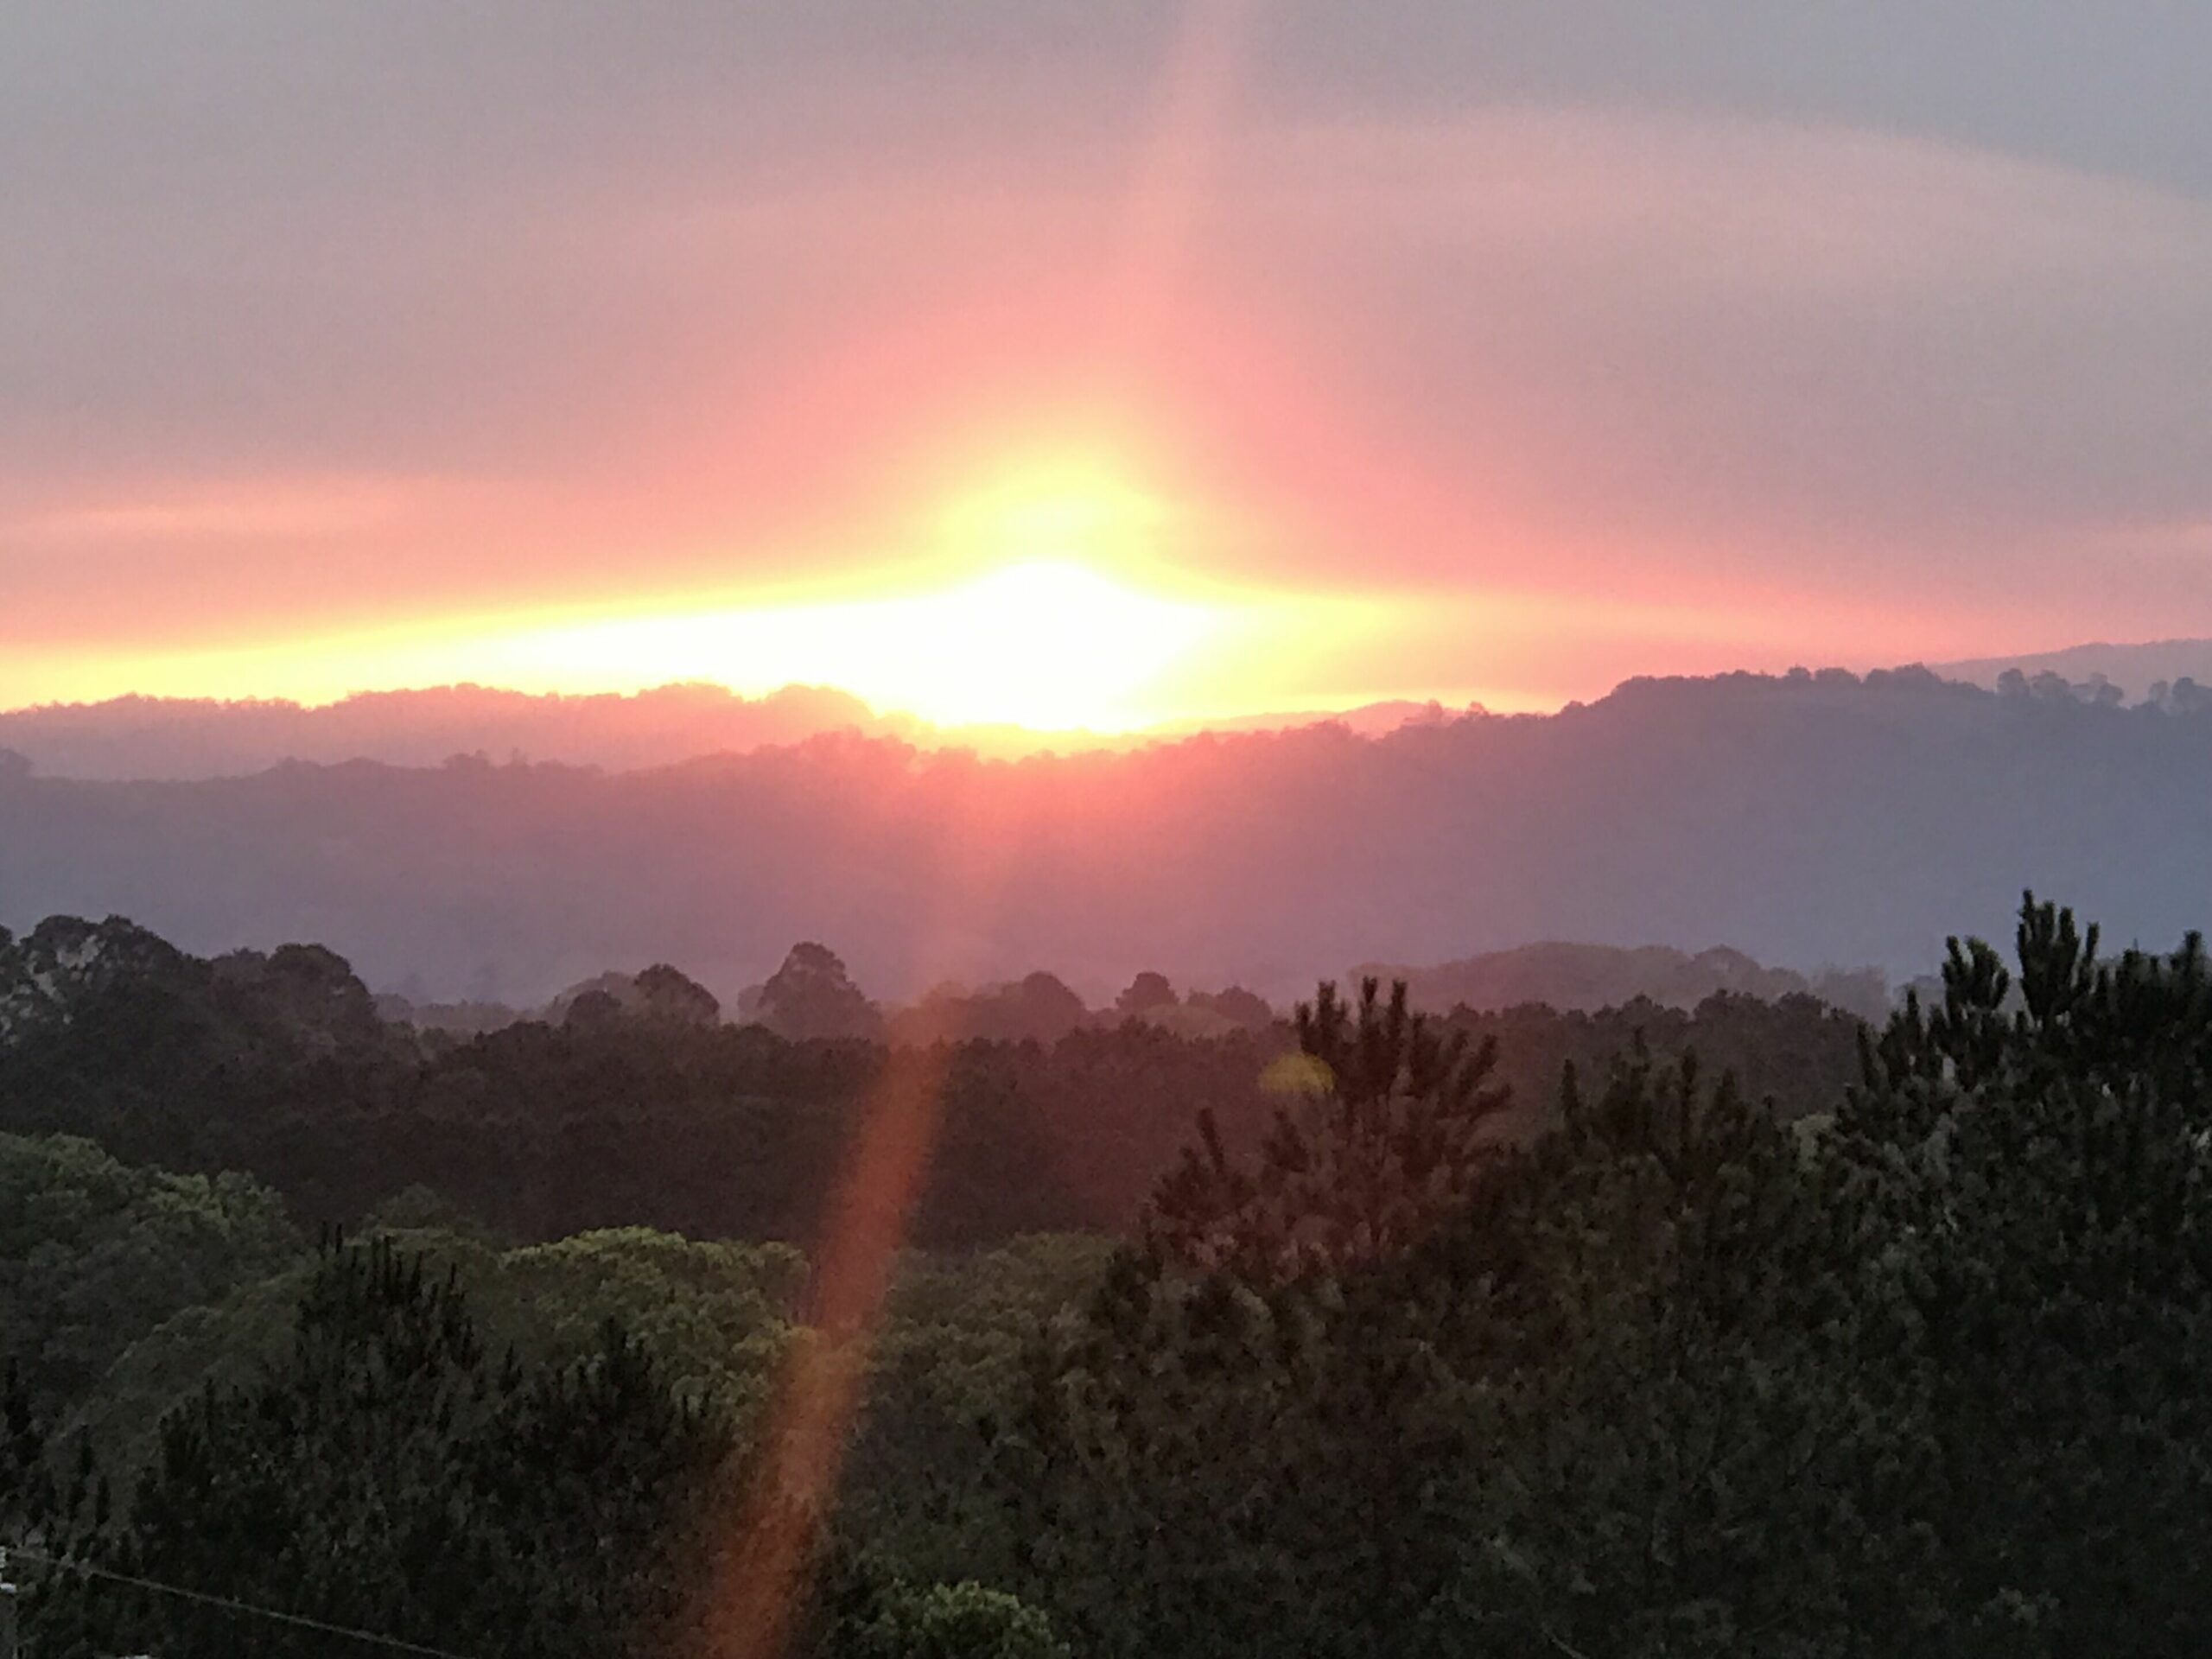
(1450, 357)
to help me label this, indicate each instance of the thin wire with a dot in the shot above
(272, 1614)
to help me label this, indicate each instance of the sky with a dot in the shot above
(1086, 364)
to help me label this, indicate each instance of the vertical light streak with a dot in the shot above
(1179, 162)
(762, 1584)
(819, 1396)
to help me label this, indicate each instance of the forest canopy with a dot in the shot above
(1389, 1357)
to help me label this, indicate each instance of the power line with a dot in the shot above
(229, 1604)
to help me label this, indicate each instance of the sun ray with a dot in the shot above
(1042, 606)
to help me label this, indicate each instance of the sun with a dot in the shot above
(1046, 618)
(1049, 644)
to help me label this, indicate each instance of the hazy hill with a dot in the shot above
(1368, 719)
(1590, 977)
(169, 738)
(175, 739)
(2134, 668)
(1804, 820)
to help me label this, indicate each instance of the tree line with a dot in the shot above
(1666, 1371)
(652, 1112)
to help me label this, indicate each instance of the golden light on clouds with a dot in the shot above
(1034, 604)
(1075, 581)
(1047, 597)
(1056, 595)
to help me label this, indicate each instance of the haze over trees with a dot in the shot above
(1566, 976)
(1618, 1300)
(185, 738)
(178, 739)
(1807, 821)
(2134, 671)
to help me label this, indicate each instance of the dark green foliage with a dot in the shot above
(1594, 1407)
(391, 1468)
(1653, 1311)
(55, 1501)
(1656, 1370)
(93, 1253)
(715, 1315)
(2037, 1155)
(1680, 1379)
(954, 1621)
(1386, 1140)
(1801, 1053)
(29, 1495)
(1236, 1448)
(652, 1115)
(395, 1477)
(953, 1353)
(108, 1031)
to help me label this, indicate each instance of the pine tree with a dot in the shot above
(395, 1477)
(1384, 1137)
(2036, 1152)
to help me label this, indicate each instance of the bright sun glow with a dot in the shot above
(1051, 600)
(1046, 644)
(1027, 630)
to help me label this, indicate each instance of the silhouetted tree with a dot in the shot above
(811, 995)
(1145, 994)
(673, 998)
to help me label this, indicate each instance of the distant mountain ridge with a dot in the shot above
(2134, 668)
(1806, 819)
(170, 739)
(174, 739)
(164, 739)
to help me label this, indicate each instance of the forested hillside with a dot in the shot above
(1910, 1362)
(662, 1114)
(1808, 822)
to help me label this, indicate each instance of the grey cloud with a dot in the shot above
(1801, 282)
